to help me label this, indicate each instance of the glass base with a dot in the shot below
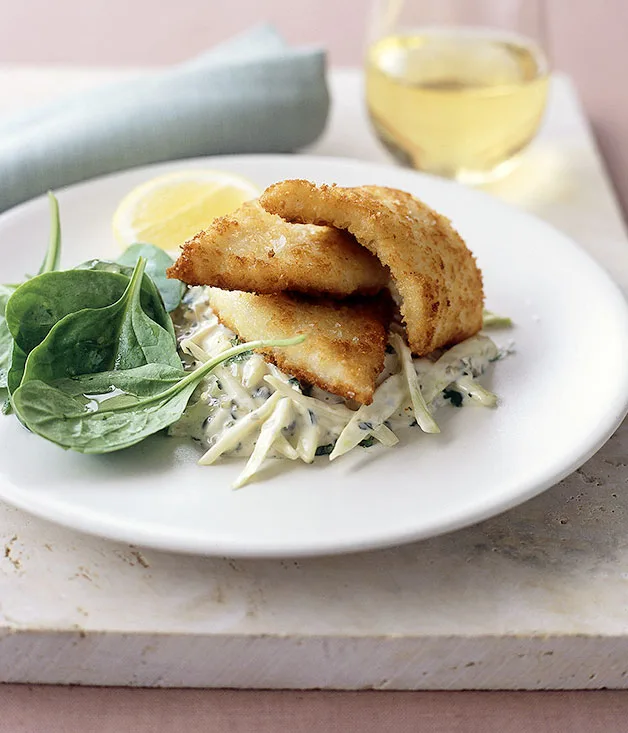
(479, 177)
(469, 176)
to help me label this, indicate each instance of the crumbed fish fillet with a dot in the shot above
(259, 252)
(345, 345)
(435, 274)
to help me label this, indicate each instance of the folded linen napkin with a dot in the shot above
(252, 94)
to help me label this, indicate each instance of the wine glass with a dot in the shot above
(457, 87)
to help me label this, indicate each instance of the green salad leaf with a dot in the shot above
(43, 301)
(16, 370)
(6, 340)
(152, 302)
(113, 410)
(53, 253)
(50, 262)
(117, 336)
(40, 303)
(157, 262)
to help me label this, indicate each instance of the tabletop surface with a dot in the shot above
(555, 565)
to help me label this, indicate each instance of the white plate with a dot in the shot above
(562, 395)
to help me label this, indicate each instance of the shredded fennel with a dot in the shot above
(250, 408)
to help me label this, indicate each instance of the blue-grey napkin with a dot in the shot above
(252, 94)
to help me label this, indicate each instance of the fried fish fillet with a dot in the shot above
(258, 252)
(434, 272)
(345, 345)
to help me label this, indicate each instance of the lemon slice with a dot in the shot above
(168, 210)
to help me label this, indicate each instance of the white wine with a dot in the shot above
(461, 104)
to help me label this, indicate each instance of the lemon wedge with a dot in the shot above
(168, 210)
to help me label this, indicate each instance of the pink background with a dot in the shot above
(26, 709)
(586, 38)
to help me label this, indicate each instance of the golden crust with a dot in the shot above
(259, 252)
(345, 345)
(435, 274)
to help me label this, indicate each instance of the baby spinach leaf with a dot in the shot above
(16, 371)
(43, 301)
(6, 340)
(67, 421)
(118, 336)
(50, 263)
(105, 266)
(149, 288)
(116, 385)
(53, 253)
(40, 303)
(106, 412)
(157, 262)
